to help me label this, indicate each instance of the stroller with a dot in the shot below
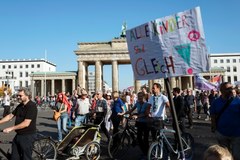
(82, 140)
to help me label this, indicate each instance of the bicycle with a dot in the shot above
(44, 106)
(43, 148)
(165, 147)
(120, 142)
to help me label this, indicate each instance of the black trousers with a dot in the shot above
(189, 115)
(116, 122)
(142, 136)
(22, 147)
(6, 110)
(103, 126)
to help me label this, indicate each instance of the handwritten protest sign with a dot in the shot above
(169, 46)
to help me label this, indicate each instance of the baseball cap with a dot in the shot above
(83, 92)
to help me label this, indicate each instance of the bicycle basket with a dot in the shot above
(157, 123)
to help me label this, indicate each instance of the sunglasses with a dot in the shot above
(19, 96)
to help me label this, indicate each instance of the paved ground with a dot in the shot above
(201, 133)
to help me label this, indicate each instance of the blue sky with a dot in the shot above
(29, 27)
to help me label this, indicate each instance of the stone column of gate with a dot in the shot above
(190, 82)
(42, 87)
(150, 84)
(137, 86)
(115, 76)
(63, 85)
(86, 76)
(98, 75)
(180, 82)
(53, 87)
(173, 82)
(73, 84)
(32, 88)
(82, 74)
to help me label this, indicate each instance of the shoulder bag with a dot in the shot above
(57, 114)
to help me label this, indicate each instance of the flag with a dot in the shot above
(203, 84)
(216, 80)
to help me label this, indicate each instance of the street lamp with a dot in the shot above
(45, 80)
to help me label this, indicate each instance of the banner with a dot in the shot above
(169, 46)
(203, 84)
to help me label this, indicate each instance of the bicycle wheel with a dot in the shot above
(44, 149)
(157, 151)
(118, 145)
(92, 151)
(188, 144)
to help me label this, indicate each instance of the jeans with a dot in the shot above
(79, 120)
(22, 147)
(62, 124)
(70, 119)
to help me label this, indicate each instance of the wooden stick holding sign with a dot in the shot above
(174, 115)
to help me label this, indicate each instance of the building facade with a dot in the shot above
(229, 62)
(16, 73)
(51, 83)
(91, 84)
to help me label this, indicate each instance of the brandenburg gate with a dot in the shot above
(114, 53)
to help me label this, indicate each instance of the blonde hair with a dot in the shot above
(216, 152)
(115, 94)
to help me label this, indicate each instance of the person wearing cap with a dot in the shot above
(100, 112)
(82, 108)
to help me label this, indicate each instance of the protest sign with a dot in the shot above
(169, 46)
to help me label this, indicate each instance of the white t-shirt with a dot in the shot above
(6, 100)
(159, 110)
(128, 99)
(83, 106)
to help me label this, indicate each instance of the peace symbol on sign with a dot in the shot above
(194, 35)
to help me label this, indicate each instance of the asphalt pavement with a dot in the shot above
(46, 125)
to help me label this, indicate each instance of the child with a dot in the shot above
(216, 152)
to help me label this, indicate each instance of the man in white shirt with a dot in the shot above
(158, 102)
(82, 108)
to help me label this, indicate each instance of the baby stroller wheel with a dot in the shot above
(92, 151)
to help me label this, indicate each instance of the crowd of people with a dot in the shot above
(221, 107)
(112, 108)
